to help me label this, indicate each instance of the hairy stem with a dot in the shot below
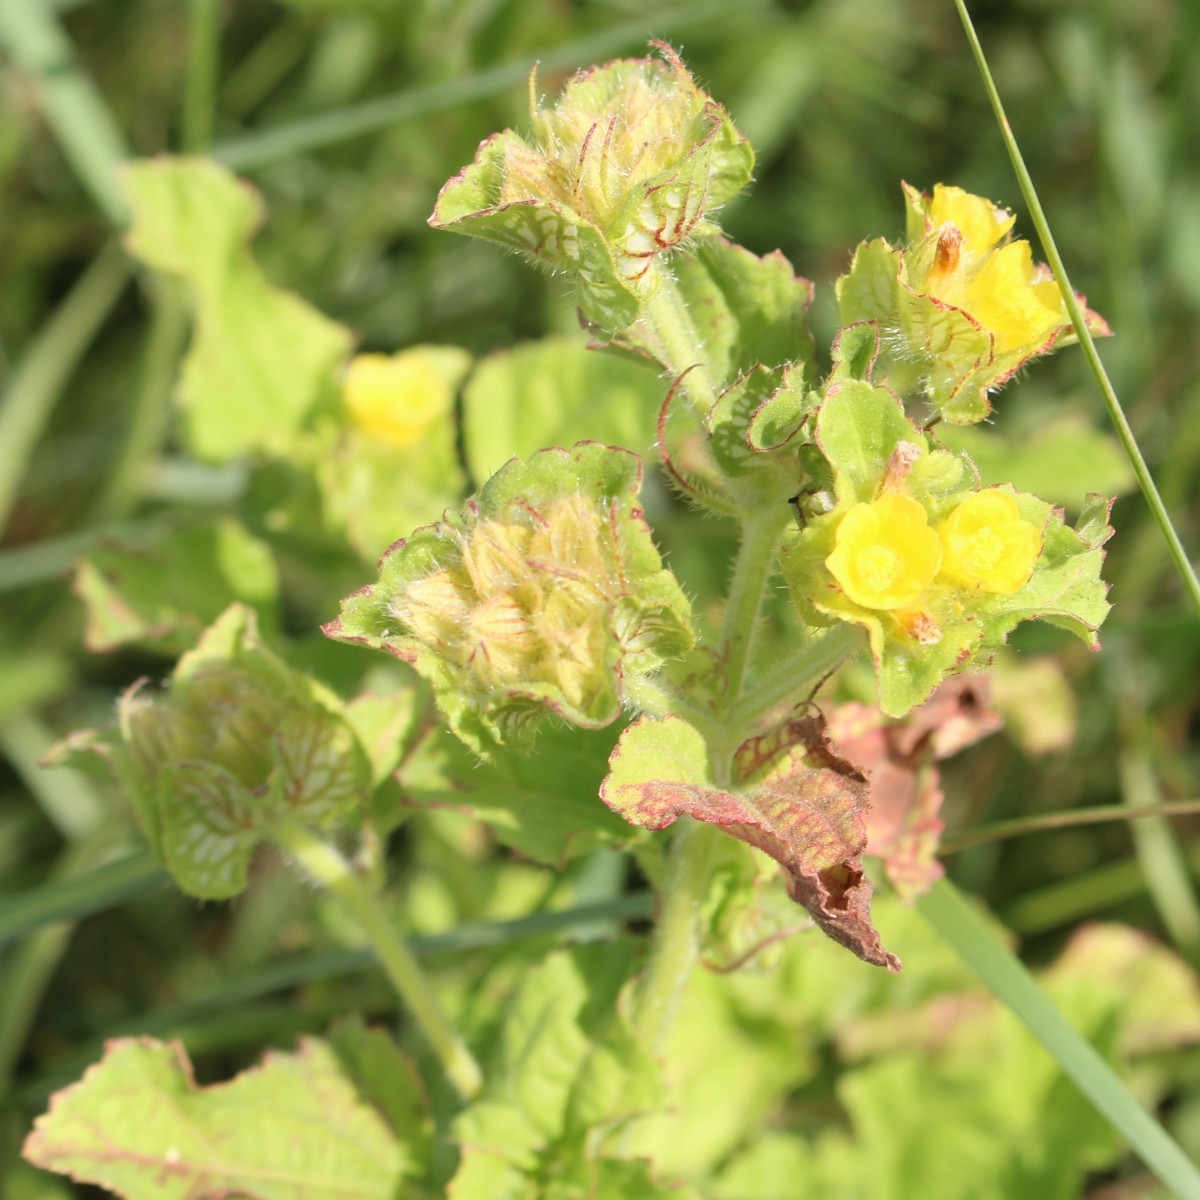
(797, 677)
(327, 866)
(676, 945)
(676, 343)
(751, 572)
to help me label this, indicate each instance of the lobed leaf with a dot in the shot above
(261, 360)
(294, 1128)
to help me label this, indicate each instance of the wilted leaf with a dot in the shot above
(903, 822)
(793, 798)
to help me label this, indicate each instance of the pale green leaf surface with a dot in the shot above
(546, 806)
(261, 359)
(566, 1067)
(1064, 461)
(163, 593)
(292, 1129)
(551, 393)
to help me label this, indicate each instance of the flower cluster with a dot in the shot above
(935, 568)
(886, 555)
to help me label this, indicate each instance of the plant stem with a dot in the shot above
(199, 104)
(323, 862)
(676, 343)
(751, 570)
(675, 947)
(1116, 413)
(797, 677)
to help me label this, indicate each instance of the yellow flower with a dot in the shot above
(885, 555)
(987, 545)
(981, 223)
(1017, 302)
(396, 399)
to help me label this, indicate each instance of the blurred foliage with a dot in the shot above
(842, 99)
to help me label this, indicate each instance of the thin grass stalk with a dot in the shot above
(1003, 974)
(1116, 413)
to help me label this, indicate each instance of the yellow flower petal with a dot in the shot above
(1004, 299)
(981, 223)
(885, 555)
(396, 399)
(987, 545)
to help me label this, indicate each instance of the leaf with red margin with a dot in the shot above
(795, 799)
(904, 826)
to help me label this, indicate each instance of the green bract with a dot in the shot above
(538, 597)
(944, 625)
(237, 742)
(630, 163)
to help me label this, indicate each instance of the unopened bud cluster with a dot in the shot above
(630, 163)
(541, 596)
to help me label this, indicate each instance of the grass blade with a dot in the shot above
(255, 150)
(49, 363)
(1087, 344)
(71, 899)
(1002, 973)
(73, 106)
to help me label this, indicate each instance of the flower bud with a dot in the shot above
(631, 162)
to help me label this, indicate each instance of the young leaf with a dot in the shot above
(294, 1128)
(792, 798)
(261, 359)
(548, 393)
(164, 592)
(237, 742)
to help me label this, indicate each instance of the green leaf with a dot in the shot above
(793, 798)
(164, 592)
(1063, 461)
(294, 1128)
(261, 360)
(567, 1071)
(549, 393)
(546, 806)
